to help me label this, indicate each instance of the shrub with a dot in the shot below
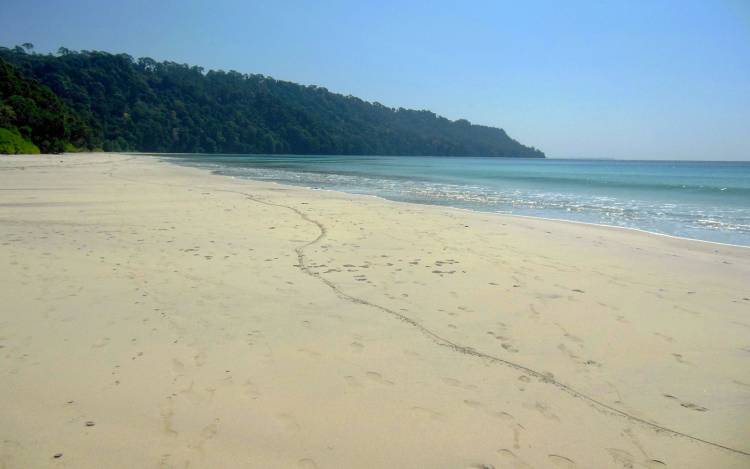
(12, 143)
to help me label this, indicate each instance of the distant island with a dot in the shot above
(91, 100)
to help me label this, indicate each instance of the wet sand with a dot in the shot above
(160, 316)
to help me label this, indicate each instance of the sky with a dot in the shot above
(650, 79)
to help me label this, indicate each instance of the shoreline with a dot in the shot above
(511, 215)
(471, 210)
(230, 322)
(438, 156)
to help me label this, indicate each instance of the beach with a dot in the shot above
(155, 315)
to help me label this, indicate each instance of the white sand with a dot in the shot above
(201, 321)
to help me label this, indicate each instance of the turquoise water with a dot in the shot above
(701, 200)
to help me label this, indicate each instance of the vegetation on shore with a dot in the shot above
(12, 143)
(124, 104)
(33, 118)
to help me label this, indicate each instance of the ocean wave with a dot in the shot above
(668, 207)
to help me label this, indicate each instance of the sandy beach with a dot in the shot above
(159, 316)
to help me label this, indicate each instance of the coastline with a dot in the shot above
(325, 375)
(502, 214)
(166, 157)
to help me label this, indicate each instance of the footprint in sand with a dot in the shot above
(569, 353)
(515, 427)
(288, 422)
(543, 409)
(510, 348)
(561, 461)
(250, 389)
(177, 366)
(664, 336)
(210, 431)
(101, 342)
(167, 414)
(452, 382)
(306, 463)
(680, 359)
(504, 416)
(378, 378)
(352, 381)
(687, 405)
(425, 413)
(621, 458)
(199, 359)
(691, 406)
(356, 346)
(473, 404)
(510, 460)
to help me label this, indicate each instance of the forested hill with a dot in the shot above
(32, 118)
(144, 105)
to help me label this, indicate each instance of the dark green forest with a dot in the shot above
(33, 118)
(118, 103)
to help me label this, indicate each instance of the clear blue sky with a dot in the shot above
(630, 79)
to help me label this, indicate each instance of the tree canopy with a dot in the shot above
(33, 117)
(127, 104)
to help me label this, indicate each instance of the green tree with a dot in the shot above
(120, 103)
(33, 112)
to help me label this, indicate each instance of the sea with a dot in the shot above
(703, 200)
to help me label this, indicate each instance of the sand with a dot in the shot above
(158, 316)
